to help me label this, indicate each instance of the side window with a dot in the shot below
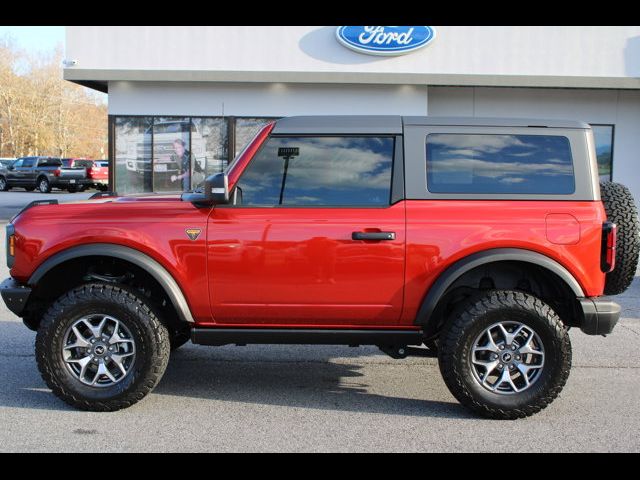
(319, 171)
(29, 162)
(499, 164)
(18, 163)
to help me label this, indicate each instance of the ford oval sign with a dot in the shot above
(385, 40)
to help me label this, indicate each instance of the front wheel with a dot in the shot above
(100, 347)
(505, 355)
(4, 186)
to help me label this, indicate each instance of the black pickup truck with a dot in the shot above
(43, 173)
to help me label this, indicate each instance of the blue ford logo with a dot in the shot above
(385, 40)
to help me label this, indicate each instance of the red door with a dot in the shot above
(311, 238)
(301, 266)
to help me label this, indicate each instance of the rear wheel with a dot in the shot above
(100, 347)
(505, 355)
(621, 209)
(43, 185)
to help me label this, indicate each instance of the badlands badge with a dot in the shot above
(193, 233)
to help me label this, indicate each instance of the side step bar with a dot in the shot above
(242, 336)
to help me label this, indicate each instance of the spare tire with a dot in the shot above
(621, 209)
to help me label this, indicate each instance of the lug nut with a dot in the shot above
(93, 340)
(517, 357)
(501, 347)
(494, 356)
(500, 366)
(111, 349)
(513, 347)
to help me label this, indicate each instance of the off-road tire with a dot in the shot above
(479, 313)
(150, 335)
(43, 184)
(621, 209)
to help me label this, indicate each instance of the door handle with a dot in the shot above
(377, 236)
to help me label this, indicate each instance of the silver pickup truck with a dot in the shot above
(43, 173)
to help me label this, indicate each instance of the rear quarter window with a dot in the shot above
(49, 162)
(499, 164)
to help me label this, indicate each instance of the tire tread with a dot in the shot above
(454, 334)
(51, 326)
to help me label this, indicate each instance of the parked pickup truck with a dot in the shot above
(43, 173)
(478, 241)
(98, 173)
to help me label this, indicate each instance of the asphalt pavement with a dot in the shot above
(317, 398)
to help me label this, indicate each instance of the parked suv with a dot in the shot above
(479, 241)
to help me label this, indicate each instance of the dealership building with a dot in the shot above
(207, 90)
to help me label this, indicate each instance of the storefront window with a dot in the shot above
(171, 154)
(246, 129)
(133, 154)
(210, 146)
(604, 149)
(174, 154)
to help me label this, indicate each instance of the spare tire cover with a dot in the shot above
(621, 209)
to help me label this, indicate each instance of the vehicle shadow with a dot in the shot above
(297, 377)
(316, 382)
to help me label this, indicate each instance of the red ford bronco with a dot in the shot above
(479, 241)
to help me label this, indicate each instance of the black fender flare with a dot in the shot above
(155, 269)
(466, 264)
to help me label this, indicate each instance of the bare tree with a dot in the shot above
(42, 114)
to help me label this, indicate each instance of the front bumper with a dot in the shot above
(600, 315)
(15, 295)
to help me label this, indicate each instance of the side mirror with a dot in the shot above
(215, 192)
(217, 188)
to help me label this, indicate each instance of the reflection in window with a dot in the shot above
(499, 164)
(133, 154)
(328, 171)
(603, 135)
(209, 143)
(171, 154)
(246, 129)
